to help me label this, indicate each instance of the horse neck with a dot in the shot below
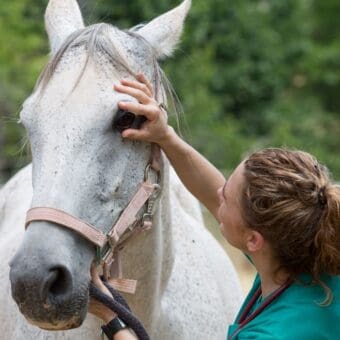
(149, 257)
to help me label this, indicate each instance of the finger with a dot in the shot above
(94, 274)
(141, 77)
(138, 94)
(151, 112)
(97, 281)
(135, 134)
(137, 85)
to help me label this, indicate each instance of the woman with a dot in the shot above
(278, 207)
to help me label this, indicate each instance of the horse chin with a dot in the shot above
(61, 320)
(74, 322)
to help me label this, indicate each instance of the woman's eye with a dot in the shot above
(123, 120)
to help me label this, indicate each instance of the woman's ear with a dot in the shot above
(254, 241)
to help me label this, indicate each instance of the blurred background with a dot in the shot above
(249, 73)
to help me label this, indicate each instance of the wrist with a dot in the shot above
(114, 327)
(125, 334)
(106, 315)
(168, 137)
(109, 316)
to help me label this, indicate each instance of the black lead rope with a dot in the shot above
(121, 308)
(117, 296)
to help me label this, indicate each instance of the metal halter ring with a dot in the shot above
(147, 172)
(162, 107)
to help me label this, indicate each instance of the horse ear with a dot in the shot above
(62, 18)
(163, 33)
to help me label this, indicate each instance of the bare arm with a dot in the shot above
(200, 177)
(125, 335)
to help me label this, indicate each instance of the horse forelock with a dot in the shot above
(99, 41)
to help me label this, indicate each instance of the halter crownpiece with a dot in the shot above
(109, 245)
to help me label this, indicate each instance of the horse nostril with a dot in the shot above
(57, 284)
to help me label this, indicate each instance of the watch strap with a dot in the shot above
(113, 327)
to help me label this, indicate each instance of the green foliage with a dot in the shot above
(323, 62)
(255, 79)
(23, 47)
(250, 74)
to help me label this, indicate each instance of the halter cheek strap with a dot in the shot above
(108, 246)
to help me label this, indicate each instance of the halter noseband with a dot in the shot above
(108, 245)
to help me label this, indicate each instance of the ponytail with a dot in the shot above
(327, 239)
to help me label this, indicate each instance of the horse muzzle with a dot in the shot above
(46, 296)
(50, 278)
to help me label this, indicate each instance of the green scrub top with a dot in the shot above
(293, 315)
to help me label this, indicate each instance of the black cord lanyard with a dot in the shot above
(245, 318)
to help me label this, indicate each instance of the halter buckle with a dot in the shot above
(147, 221)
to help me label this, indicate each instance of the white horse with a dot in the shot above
(187, 287)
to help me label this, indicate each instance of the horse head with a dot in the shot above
(81, 165)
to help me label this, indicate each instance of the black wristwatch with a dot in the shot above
(113, 327)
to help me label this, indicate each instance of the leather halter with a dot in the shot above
(108, 245)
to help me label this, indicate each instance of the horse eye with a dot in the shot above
(123, 120)
(126, 120)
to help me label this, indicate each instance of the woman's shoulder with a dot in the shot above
(301, 320)
(299, 330)
(333, 282)
(298, 314)
(304, 290)
(301, 313)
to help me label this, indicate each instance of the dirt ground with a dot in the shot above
(243, 267)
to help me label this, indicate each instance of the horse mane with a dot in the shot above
(97, 43)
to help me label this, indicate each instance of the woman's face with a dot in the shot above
(232, 224)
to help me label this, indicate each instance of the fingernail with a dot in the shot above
(121, 104)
